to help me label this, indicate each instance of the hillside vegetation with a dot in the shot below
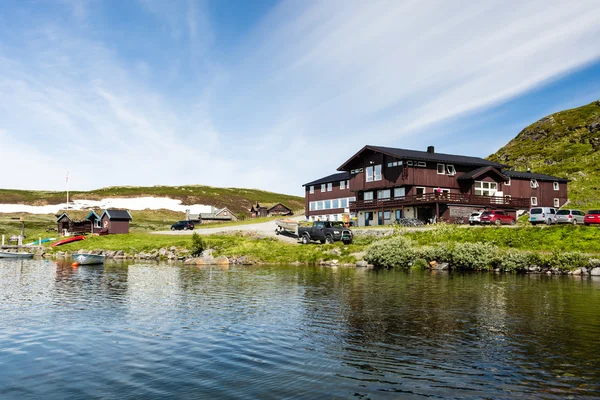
(237, 200)
(565, 144)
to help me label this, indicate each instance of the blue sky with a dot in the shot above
(272, 94)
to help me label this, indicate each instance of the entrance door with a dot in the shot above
(367, 217)
(380, 218)
(398, 215)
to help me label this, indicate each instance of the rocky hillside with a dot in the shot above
(237, 200)
(564, 144)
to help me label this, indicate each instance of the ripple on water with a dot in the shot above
(134, 331)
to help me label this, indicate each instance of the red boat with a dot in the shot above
(68, 240)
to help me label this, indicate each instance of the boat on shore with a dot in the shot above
(288, 225)
(88, 259)
(37, 242)
(8, 254)
(68, 240)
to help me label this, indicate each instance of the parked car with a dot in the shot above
(325, 232)
(497, 217)
(182, 225)
(592, 217)
(474, 218)
(566, 216)
(542, 215)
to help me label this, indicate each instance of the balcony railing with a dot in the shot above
(453, 198)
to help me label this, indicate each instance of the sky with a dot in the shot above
(273, 94)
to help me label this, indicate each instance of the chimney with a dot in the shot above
(430, 149)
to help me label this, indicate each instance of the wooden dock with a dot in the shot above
(16, 247)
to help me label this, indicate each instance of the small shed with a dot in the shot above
(115, 221)
(258, 211)
(279, 209)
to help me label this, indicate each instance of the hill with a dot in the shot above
(565, 144)
(237, 200)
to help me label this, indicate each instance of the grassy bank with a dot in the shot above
(548, 239)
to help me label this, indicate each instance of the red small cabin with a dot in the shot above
(115, 221)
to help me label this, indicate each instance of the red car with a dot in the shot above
(592, 217)
(497, 217)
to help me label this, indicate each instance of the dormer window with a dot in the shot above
(533, 183)
(441, 169)
(450, 170)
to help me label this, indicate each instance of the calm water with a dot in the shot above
(132, 331)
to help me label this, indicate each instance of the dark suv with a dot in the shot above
(185, 225)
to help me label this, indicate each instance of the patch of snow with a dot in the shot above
(137, 203)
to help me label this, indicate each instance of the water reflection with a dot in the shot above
(307, 332)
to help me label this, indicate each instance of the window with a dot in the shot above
(557, 203)
(534, 201)
(399, 192)
(335, 203)
(420, 191)
(387, 215)
(368, 196)
(352, 199)
(329, 187)
(343, 203)
(312, 205)
(322, 188)
(312, 189)
(327, 204)
(421, 164)
(390, 164)
(441, 169)
(356, 171)
(97, 223)
(508, 182)
(342, 185)
(409, 163)
(555, 184)
(451, 170)
(533, 183)
(319, 205)
(485, 188)
(383, 194)
(369, 175)
(377, 176)
(507, 199)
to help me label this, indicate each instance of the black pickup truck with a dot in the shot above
(325, 232)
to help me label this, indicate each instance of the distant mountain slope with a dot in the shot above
(565, 144)
(237, 200)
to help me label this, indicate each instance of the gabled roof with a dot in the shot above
(63, 215)
(279, 204)
(476, 173)
(92, 214)
(117, 215)
(531, 175)
(425, 156)
(340, 176)
(211, 216)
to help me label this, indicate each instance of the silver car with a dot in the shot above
(570, 217)
(475, 218)
(542, 215)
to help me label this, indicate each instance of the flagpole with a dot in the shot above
(67, 190)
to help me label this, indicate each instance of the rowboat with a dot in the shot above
(87, 259)
(68, 240)
(7, 254)
(287, 225)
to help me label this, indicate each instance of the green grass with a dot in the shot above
(553, 238)
(237, 200)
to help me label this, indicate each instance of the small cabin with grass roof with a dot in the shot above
(77, 221)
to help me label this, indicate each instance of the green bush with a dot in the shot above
(514, 260)
(419, 264)
(440, 253)
(566, 261)
(477, 256)
(395, 252)
(198, 245)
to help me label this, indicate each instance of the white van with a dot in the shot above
(542, 215)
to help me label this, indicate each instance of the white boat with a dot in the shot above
(8, 254)
(87, 259)
(288, 225)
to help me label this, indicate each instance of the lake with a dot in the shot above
(271, 332)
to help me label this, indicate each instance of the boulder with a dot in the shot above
(162, 252)
(207, 253)
(173, 249)
(576, 271)
(595, 271)
(362, 263)
(221, 261)
(442, 266)
(336, 252)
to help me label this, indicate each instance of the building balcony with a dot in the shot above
(445, 198)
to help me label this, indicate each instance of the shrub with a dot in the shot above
(395, 252)
(477, 256)
(567, 261)
(419, 264)
(439, 253)
(514, 260)
(198, 245)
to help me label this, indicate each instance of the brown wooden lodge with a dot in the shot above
(109, 222)
(269, 210)
(379, 185)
